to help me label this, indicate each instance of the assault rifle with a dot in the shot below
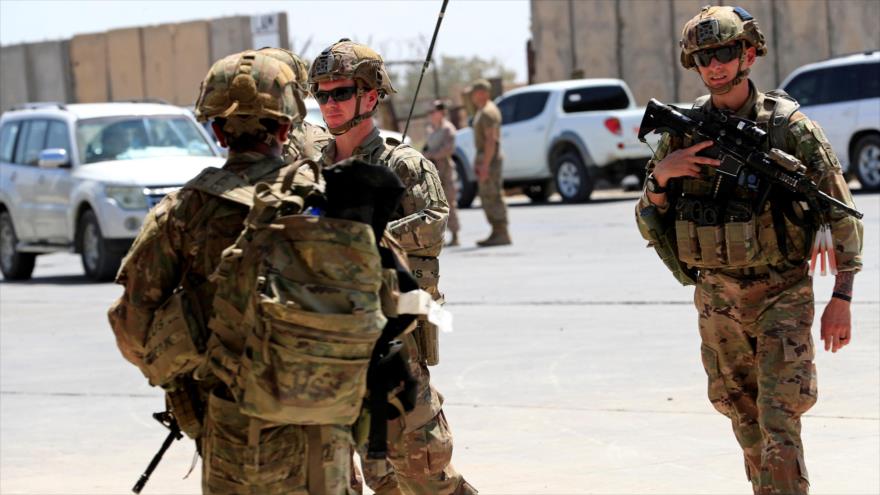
(737, 145)
(167, 420)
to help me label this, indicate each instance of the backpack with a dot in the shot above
(301, 297)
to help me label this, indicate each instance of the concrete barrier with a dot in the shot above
(13, 77)
(126, 64)
(192, 52)
(596, 38)
(552, 40)
(646, 49)
(158, 45)
(802, 34)
(230, 35)
(853, 26)
(48, 71)
(88, 59)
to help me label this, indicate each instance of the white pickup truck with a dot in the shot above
(564, 135)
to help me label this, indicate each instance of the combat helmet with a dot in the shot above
(346, 59)
(717, 26)
(246, 87)
(300, 70)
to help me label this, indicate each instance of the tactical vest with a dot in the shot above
(749, 224)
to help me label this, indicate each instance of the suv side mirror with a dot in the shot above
(54, 158)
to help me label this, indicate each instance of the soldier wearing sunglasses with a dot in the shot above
(348, 80)
(748, 259)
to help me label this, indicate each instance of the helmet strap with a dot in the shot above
(358, 117)
(740, 75)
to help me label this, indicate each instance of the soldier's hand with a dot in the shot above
(482, 171)
(836, 324)
(683, 163)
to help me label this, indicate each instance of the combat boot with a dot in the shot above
(498, 237)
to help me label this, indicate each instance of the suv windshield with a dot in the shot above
(131, 138)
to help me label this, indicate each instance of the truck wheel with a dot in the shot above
(572, 179)
(13, 264)
(866, 157)
(539, 193)
(99, 261)
(467, 190)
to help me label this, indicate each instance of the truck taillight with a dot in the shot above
(613, 125)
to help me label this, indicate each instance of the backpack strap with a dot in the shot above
(224, 184)
(775, 113)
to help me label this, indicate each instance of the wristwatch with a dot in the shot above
(654, 186)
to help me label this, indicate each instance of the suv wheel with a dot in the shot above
(466, 189)
(572, 179)
(14, 265)
(866, 157)
(99, 261)
(540, 192)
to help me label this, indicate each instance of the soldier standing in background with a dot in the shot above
(754, 295)
(488, 163)
(348, 79)
(253, 101)
(439, 148)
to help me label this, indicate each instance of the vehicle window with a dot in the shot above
(33, 143)
(869, 80)
(507, 106)
(131, 138)
(21, 141)
(595, 98)
(57, 137)
(805, 88)
(839, 84)
(7, 141)
(530, 105)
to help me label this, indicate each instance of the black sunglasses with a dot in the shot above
(723, 54)
(339, 94)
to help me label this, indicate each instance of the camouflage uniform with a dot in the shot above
(419, 443)
(184, 236)
(755, 320)
(492, 188)
(439, 148)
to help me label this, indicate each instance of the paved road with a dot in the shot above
(574, 368)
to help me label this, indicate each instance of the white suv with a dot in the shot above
(82, 177)
(843, 95)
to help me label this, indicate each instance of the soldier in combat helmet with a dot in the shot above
(253, 101)
(754, 299)
(348, 79)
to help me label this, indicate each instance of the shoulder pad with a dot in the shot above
(785, 106)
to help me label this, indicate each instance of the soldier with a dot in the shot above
(754, 299)
(253, 100)
(438, 149)
(348, 79)
(487, 126)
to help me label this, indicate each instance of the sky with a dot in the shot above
(398, 29)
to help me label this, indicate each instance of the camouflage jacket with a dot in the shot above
(806, 141)
(178, 238)
(306, 140)
(420, 222)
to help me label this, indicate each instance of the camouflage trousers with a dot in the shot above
(758, 354)
(492, 195)
(446, 169)
(419, 446)
(245, 455)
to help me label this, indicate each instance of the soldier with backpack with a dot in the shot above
(255, 300)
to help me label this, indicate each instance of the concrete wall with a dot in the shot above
(125, 64)
(158, 42)
(637, 40)
(13, 77)
(48, 71)
(192, 59)
(88, 59)
(166, 62)
(230, 35)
